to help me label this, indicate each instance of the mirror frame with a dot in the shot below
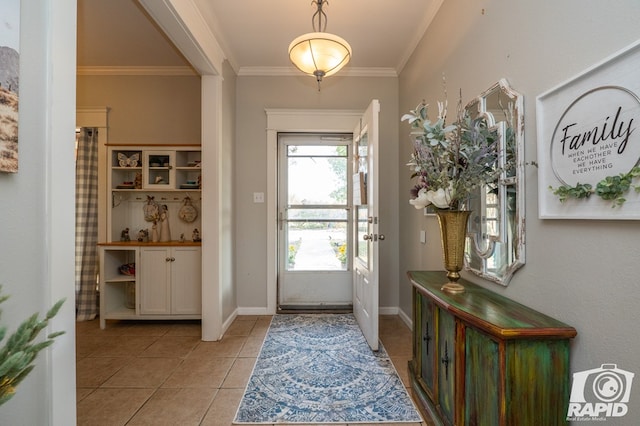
(514, 177)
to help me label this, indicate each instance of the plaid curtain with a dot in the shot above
(86, 224)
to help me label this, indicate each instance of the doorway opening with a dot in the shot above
(314, 222)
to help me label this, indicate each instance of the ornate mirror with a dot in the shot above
(495, 241)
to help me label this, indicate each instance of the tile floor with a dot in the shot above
(160, 373)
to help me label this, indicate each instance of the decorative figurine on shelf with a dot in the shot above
(154, 233)
(124, 235)
(143, 236)
(137, 183)
(151, 210)
(196, 235)
(182, 238)
(165, 232)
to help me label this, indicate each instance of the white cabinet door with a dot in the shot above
(186, 281)
(155, 280)
(170, 281)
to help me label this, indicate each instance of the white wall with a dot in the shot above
(254, 95)
(584, 273)
(37, 210)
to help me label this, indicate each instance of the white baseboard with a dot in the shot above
(388, 310)
(406, 319)
(227, 323)
(253, 311)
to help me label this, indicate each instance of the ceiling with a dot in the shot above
(255, 35)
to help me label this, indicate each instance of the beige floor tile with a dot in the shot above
(228, 347)
(91, 372)
(115, 328)
(82, 393)
(110, 406)
(185, 328)
(240, 328)
(251, 347)
(261, 327)
(171, 346)
(124, 346)
(223, 408)
(184, 407)
(397, 345)
(146, 328)
(88, 344)
(143, 373)
(200, 373)
(401, 365)
(239, 374)
(253, 318)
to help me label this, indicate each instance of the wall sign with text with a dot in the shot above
(588, 131)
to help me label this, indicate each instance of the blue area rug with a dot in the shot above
(318, 368)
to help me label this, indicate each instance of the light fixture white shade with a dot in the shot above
(319, 54)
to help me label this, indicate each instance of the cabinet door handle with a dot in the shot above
(446, 361)
(427, 337)
(167, 259)
(173, 259)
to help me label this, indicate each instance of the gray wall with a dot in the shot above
(254, 94)
(584, 273)
(145, 109)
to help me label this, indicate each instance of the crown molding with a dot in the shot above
(290, 71)
(143, 70)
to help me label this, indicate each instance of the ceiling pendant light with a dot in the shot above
(319, 53)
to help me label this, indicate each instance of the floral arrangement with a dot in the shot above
(450, 161)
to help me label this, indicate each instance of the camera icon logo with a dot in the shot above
(600, 392)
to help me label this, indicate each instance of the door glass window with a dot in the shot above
(317, 209)
(362, 210)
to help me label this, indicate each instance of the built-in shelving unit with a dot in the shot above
(167, 281)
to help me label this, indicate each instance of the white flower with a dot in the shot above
(439, 198)
(421, 201)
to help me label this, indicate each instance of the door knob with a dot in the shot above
(381, 237)
(367, 237)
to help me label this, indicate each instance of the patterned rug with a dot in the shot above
(318, 368)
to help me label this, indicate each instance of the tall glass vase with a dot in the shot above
(453, 231)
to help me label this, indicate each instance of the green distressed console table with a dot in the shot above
(482, 359)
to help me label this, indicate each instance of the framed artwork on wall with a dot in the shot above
(9, 84)
(589, 142)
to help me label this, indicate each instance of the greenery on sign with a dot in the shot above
(20, 350)
(450, 161)
(611, 188)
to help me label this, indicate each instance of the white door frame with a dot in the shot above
(292, 120)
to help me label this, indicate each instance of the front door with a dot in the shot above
(366, 236)
(315, 231)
